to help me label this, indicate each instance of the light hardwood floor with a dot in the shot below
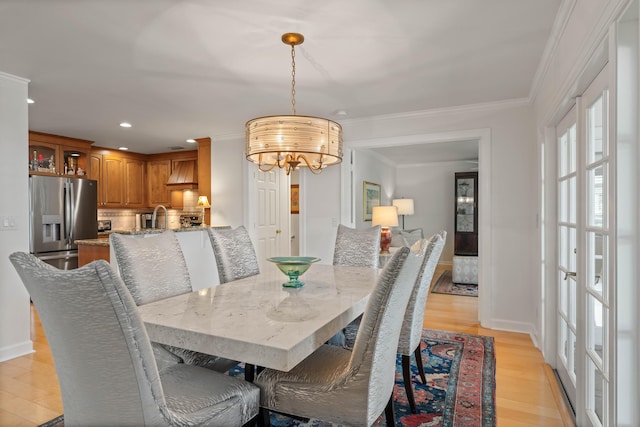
(526, 393)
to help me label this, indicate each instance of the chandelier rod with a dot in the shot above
(293, 79)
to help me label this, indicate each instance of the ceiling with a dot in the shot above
(195, 68)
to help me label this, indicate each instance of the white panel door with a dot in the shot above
(272, 216)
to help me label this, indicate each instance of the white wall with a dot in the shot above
(15, 338)
(512, 221)
(431, 186)
(369, 167)
(319, 213)
(228, 182)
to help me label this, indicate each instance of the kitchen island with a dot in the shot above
(194, 242)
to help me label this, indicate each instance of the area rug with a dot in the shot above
(444, 285)
(460, 389)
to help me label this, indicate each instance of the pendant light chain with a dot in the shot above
(293, 80)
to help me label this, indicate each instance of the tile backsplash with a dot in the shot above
(125, 219)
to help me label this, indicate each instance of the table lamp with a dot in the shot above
(385, 216)
(405, 207)
(203, 202)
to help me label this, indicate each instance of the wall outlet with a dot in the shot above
(8, 223)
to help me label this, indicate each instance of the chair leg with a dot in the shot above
(418, 355)
(265, 418)
(406, 375)
(389, 414)
(249, 372)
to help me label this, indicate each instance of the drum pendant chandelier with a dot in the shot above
(293, 141)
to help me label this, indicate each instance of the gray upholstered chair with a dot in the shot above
(104, 361)
(154, 268)
(411, 333)
(351, 387)
(236, 259)
(357, 247)
(235, 256)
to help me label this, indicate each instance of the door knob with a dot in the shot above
(569, 273)
(278, 231)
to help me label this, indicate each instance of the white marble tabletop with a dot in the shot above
(256, 320)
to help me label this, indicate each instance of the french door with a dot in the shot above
(584, 315)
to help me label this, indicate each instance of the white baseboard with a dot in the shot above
(511, 326)
(16, 350)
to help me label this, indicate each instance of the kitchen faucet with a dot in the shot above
(166, 217)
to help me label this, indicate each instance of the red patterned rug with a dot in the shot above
(444, 285)
(460, 389)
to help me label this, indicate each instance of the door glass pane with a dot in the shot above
(596, 393)
(563, 148)
(571, 200)
(564, 300)
(595, 327)
(572, 148)
(595, 131)
(572, 300)
(596, 270)
(563, 201)
(572, 249)
(564, 246)
(571, 356)
(564, 341)
(596, 196)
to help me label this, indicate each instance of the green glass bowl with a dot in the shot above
(293, 267)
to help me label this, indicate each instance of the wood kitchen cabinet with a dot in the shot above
(162, 168)
(120, 178)
(58, 155)
(158, 172)
(134, 178)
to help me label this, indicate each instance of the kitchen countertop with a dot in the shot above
(104, 241)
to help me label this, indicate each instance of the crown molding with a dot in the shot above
(18, 79)
(481, 107)
(557, 30)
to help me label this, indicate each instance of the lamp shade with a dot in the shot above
(405, 206)
(203, 202)
(385, 216)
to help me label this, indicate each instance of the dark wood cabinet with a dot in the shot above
(466, 213)
(58, 155)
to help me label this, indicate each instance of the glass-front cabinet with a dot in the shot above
(466, 213)
(58, 155)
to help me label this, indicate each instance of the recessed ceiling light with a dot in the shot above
(30, 101)
(191, 141)
(125, 125)
(123, 148)
(341, 113)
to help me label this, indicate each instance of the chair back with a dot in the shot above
(234, 252)
(374, 352)
(100, 346)
(411, 332)
(357, 248)
(153, 268)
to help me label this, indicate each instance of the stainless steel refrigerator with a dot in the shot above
(62, 210)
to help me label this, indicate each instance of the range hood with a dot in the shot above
(184, 175)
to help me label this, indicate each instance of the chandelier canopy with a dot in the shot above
(293, 141)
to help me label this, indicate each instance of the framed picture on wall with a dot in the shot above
(295, 199)
(370, 198)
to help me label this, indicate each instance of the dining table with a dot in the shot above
(257, 320)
